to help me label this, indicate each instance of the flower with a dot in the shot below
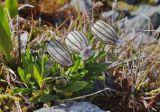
(76, 41)
(105, 33)
(59, 53)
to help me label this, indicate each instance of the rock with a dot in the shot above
(157, 33)
(158, 29)
(72, 107)
(158, 2)
(133, 2)
(109, 14)
(141, 19)
(24, 40)
(127, 14)
(144, 8)
(82, 5)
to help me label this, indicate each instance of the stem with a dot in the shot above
(61, 70)
(19, 42)
(92, 94)
(92, 16)
(113, 9)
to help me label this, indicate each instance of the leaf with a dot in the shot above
(4, 21)
(24, 91)
(37, 75)
(5, 35)
(28, 77)
(29, 68)
(28, 56)
(43, 61)
(21, 74)
(42, 65)
(97, 55)
(12, 7)
(96, 68)
(76, 86)
(76, 66)
(48, 97)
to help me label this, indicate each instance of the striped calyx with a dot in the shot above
(105, 33)
(76, 41)
(59, 53)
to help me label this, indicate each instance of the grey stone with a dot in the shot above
(82, 5)
(158, 29)
(133, 2)
(24, 40)
(109, 15)
(143, 9)
(72, 107)
(158, 2)
(143, 16)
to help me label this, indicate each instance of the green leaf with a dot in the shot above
(4, 21)
(96, 68)
(76, 66)
(5, 35)
(29, 68)
(12, 7)
(48, 97)
(76, 86)
(24, 91)
(28, 77)
(21, 74)
(43, 61)
(98, 55)
(37, 75)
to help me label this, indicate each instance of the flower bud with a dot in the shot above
(59, 53)
(105, 33)
(76, 41)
